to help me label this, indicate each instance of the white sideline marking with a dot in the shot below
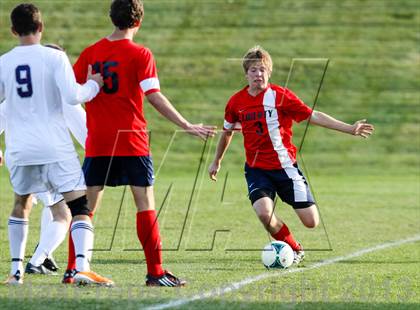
(237, 285)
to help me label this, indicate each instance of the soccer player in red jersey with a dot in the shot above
(117, 146)
(266, 112)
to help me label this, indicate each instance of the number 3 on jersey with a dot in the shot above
(23, 78)
(110, 77)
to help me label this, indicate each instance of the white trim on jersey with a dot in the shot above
(273, 125)
(148, 84)
(227, 125)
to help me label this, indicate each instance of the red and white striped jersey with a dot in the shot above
(266, 122)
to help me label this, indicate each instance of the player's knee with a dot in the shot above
(265, 218)
(23, 204)
(311, 222)
(78, 206)
(61, 213)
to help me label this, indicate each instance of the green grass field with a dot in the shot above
(368, 190)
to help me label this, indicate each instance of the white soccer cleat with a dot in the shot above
(299, 257)
(92, 278)
(14, 279)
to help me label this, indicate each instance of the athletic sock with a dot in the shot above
(82, 233)
(51, 238)
(71, 259)
(46, 219)
(149, 236)
(18, 234)
(285, 235)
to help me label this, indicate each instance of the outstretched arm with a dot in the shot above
(222, 146)
(164, 107)
(359, 128)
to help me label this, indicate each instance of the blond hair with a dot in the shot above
(257, 54)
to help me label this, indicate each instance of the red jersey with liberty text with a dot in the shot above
(115, 120)
(266, 122)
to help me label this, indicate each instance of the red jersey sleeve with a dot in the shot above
(80, 68)
(147, 73)
(295, 107)
(231, 117)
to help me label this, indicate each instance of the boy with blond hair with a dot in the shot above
(265, 113)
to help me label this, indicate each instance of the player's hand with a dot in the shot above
(97, 77)
(202, 131)
(362, 128)
(213, 170)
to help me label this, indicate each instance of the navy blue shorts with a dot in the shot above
(289, 183)
(118, 170)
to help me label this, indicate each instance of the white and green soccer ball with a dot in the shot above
(277, 254)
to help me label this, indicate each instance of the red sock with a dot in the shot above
(285, 235)
(71, 259)
(149, 236)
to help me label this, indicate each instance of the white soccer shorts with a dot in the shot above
(48, 198)
(59, 177)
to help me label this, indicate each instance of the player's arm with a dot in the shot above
(359, 128)
(222, 146)
(75, 117)
(72, 92)
(164, 107)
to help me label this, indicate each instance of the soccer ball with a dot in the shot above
(277, 254)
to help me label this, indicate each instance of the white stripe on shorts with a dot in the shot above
(299, 186)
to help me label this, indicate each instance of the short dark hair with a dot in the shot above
(125, 13)
(26, 19)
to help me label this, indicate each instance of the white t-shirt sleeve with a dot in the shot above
(72, 92)
(75, 117)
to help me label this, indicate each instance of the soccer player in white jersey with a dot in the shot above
(40, 154)
(265, 112)
(54, 206)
